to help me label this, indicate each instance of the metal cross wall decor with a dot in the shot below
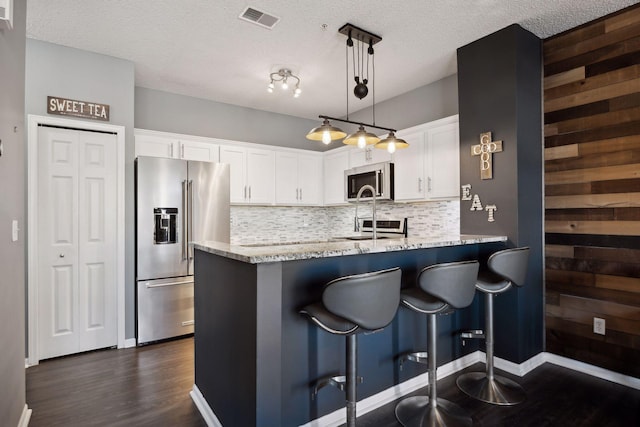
(485, 150)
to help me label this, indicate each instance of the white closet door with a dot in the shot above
(77, 241)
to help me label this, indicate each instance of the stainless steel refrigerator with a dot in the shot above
(177, 202)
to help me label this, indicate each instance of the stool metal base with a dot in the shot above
(417, 412)
(499, 391)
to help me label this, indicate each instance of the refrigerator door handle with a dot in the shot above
(185, 215)
(190, 219)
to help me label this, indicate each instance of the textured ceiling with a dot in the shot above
(200, 48)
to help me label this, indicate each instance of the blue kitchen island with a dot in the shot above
(256, 358)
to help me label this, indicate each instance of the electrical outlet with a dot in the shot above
(599, 326)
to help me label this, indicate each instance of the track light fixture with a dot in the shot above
(283, 75)
(357, 40)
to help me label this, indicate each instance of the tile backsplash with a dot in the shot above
(260, 224)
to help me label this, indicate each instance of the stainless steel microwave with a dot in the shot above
(377, 175)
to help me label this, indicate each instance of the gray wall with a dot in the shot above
(12, 207)
(167, 112)
(72, 73)
(424, 104)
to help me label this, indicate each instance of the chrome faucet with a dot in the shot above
(373, 215)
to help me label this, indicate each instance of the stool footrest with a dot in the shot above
(418, 357)
(471, 334)
(339, 381)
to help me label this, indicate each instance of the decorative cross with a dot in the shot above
(485, 150)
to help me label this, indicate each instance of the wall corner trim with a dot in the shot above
(204, 408)
(25, 417)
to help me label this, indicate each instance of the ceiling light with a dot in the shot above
(282, 75)
(361, 138)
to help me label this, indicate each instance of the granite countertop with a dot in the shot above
(276, 252)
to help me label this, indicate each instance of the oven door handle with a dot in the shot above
(161, 285)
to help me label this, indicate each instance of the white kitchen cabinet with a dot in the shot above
(409, 171)
(154, 145)
(335, 163)
(367, 155)
(429, 168)
(252, 174)
(298, 179)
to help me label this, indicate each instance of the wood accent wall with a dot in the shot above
(592, 191)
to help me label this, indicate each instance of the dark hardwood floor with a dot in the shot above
(149, 386)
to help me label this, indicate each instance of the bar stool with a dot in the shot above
(505, 268)
(441, 287)
(352, 305)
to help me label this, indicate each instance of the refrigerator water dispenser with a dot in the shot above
(166, 226)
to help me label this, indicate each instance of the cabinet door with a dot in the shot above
(236, 158)
(200, 151)
(310, 179)
(156, 146)
(287, 189)
(261, 177)
(409, 167)
(334, 166)
(443, 169)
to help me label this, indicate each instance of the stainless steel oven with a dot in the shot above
(377, 175)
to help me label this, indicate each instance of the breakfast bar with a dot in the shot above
(256, 357)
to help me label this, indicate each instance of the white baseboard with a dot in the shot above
(204, 408)
(371, 403)
(25, 417)
(130, 342)
(594, 371)
(374, 402)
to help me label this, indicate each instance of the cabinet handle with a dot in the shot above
(249, 192)
(182, 151)
(245, 192)
(429, 184)
(301, 194)
(61, 255)
(419, 185)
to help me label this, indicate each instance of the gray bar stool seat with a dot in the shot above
(504, 269)
(441, 288)
(352, 305)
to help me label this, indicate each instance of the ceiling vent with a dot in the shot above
(259, 18)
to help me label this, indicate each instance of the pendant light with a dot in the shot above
(357, 40)
(391, 143)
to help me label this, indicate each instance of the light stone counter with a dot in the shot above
(276, 252)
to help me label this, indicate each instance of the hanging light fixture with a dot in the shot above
(357, 40)
(283, 75)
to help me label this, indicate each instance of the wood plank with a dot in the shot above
(617, 131)
(593, 201)
(596, 293)
(595, 121)
(605, 308)
(586, 318)
(593, 266)
(594, 174)
(615, 158)
(631, 242)
(561, 152)
(591, 44)
(611, 52)
(564, 78)
(586, 110)
(567, 189)
(612, 337)
(620, 283)
(568, 38)
(627, 59)
(624, 102)
(617, 228)
(593, 95)
(631, 142)
(607, 254)
(568, 277)
(622, 20)
(558, 251)
(626, 214)
(575, 214)
(550, 130)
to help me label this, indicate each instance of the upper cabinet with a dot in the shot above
(252, 174)
(298, 178)
(156, 144)
(429, 168)
(335, 163)
(367, 155)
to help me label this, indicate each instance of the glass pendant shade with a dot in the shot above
(361, 138)
(326, 133)
(391, 143)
